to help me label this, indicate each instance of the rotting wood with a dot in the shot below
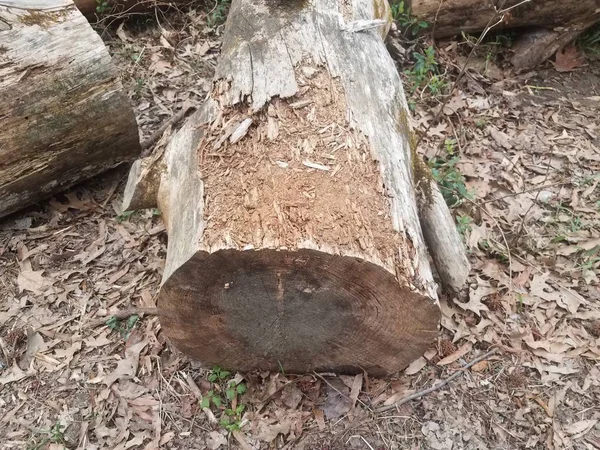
(65, 115)
(549, 25)
(290, 201)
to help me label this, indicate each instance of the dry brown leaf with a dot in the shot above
(215, 440)
(355, 389)
(568, 58)
(580, 428)
(291, 396)
(319, 418)
(337, 401)
(416, 366)
(267, 432)
(480, 366)
(126, 368)
(15, 374)
(33, 281)
(462, 351)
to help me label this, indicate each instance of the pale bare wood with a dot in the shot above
(290, 201)
(65, 116)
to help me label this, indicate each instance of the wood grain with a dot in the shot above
(65, 116)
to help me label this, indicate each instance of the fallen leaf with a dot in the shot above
(35, 343)
(567, 59)
(267, 432)
(480, 366)
(15, 374)
(215, 440)
(320, 418)
(126, 368)
(416, 366)
(580, 428)
(33, 281)
(291, 396)
(355, 391)
(462, 351)
(337, 402)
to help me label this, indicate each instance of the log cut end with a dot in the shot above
(295, 311)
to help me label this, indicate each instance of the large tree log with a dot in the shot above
(554, 23)
(291, 201)
(65, 116)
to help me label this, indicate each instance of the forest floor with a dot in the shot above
(518, 156)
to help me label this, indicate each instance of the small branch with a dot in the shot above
(526, 191)
(123, 314)
(176, 118)
(422, 393)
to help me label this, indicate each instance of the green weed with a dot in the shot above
(425, 73)
(407, 23)
(123, 328)
(125, 216)
(223, 395)
(491, 46)
(102, 6)
(448, 177)
(590, 40)
(54, 435)
(218, 15)
(464, 224)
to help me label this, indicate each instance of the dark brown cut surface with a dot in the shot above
(299, 311)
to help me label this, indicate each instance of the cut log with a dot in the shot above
(65, 116)
(291, 201)
(550, 24)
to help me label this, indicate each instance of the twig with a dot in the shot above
(424, 392)
(437, 13)
(526, 191)
(123, 314)
(537, 195)
(158, 133)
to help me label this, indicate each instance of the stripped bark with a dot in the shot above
(290, 201)
(65, 116)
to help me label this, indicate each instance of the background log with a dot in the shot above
(471, 16)
(123, 7)
(290, 201)
(549, 24)
(65, 116)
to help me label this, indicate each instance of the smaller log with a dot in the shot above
(538, 45)
(64, 112)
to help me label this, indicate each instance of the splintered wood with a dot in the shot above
(300, 178)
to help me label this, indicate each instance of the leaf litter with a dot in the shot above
(529, 153)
